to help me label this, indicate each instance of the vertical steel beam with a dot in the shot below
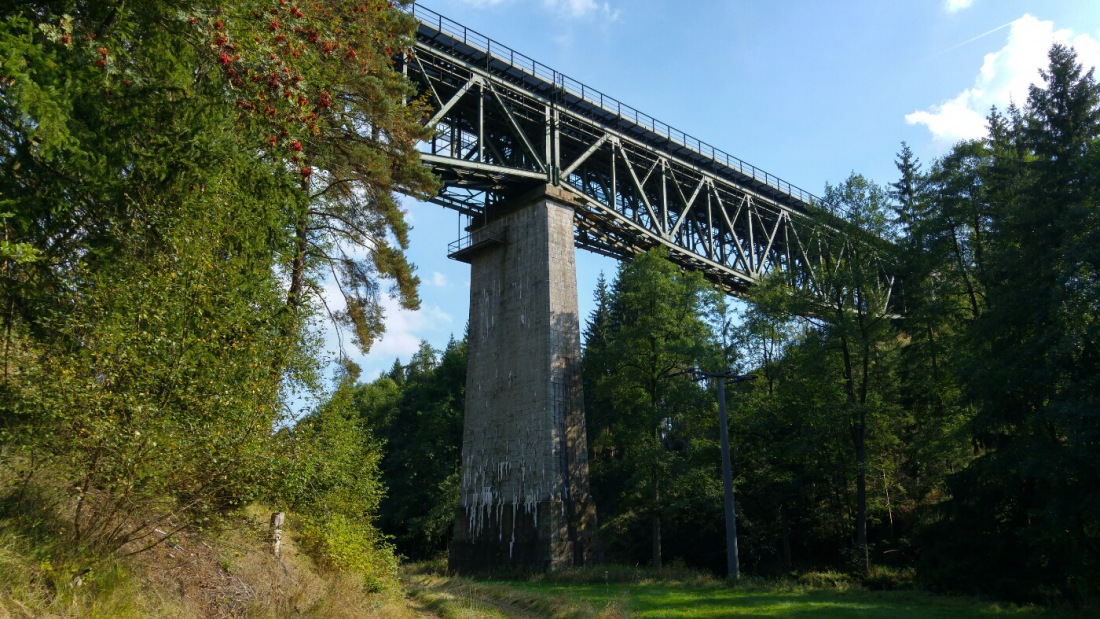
(753, 269)
(556, 155)
(664, 199)
(480, 122)
(710, 224)
(614, 199)
(548, 143)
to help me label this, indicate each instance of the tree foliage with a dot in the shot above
(418, 410)
(849, 301)
(175, 177)
(946, 422)
(644, 414)
(334, 486)
(317, 95)
(1031, 367)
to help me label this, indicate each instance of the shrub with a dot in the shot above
(883, 578)
(826, 580)
(333, 484)
(341, 544)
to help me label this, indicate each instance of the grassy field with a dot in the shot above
(670, 600)
(575, 597)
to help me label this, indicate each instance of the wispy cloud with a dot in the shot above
(404, 330)
(1003, 78)
(582, 8)
(954, 6)
(569, 8)
(438, 279)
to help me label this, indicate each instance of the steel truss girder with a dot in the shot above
(503, 127)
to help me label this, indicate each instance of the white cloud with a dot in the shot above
(405, 328)
(582, 8)
(952, 121)
(439, 279)
(1003, 78)
(954, 6)
(570, 8)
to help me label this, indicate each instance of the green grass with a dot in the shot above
(614, 592)
(657, 599)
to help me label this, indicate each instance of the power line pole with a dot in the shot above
(733, 563)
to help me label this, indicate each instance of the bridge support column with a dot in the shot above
(525, 499)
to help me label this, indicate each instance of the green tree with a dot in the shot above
(793, 457)
(161, 251)
(420, 418)
(793, 450)
(597, 367)
(335, 489)
(1032, 371)
(907, 192)
(317, 95)
(139, 341)
(941, 292)
(643, 416)
(850, 301)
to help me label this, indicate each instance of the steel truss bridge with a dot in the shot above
(506, 124)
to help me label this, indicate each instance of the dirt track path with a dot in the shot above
(428, 594)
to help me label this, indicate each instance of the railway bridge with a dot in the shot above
(539, 164)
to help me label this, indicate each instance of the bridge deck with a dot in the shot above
(507, 123)
(458, 41)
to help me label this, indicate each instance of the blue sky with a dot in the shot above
(808, 90)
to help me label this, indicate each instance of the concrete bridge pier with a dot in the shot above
(525, 499)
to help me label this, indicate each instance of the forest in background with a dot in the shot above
(943, 429)
(178, 179)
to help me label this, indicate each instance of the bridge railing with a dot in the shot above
(609, 104)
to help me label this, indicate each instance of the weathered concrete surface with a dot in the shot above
(525, 500)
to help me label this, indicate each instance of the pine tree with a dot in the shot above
(638, 401)
(906, 192)
(1032, 359)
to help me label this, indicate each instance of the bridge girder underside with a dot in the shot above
(506, 124)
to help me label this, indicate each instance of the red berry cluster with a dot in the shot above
(264, 53)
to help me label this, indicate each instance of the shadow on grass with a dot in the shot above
(639, 592)
(671, 600)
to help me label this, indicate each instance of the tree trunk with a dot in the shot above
(861, 501)
(786, 526)
(959, 260)
(655, 525)
(859, 434)
(861, 451)
(298, 264)
(889, 506)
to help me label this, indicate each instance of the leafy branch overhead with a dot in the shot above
(176, 179)
(317, 94)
